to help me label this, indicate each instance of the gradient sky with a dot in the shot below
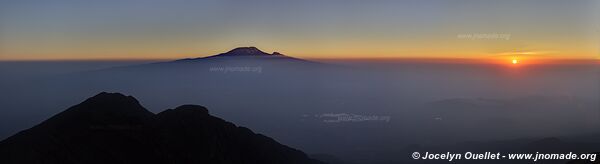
(161, 29)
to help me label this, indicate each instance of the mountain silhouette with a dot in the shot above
(247, 51)
(244, 53)
(114, 128)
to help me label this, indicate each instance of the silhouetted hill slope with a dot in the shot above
(113, 128)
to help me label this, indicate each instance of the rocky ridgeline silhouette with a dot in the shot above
(114, 128)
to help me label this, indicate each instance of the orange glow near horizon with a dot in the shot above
(502, 60)
(514, 58)
(329, 30)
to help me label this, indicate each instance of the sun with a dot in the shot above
(515, 61)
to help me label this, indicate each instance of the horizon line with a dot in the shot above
(481, 60)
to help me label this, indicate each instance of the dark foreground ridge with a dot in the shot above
(114, 128)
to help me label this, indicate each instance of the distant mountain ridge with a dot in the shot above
(247, 51)
(244, 52)
(114, 128)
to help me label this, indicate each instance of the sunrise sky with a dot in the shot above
(158, 29)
